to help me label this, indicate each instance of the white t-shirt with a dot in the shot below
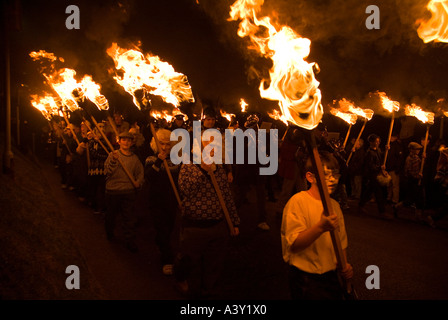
(300, 213)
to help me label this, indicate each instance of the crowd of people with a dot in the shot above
(107, 164)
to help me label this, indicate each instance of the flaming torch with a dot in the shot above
(292, 83)
(367, 115)
(63, 82)
(48, 106)
(149, 74)
(425, 117)
(392, 107)
(345, 115)
(436, 28)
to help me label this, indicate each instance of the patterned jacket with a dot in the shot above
(199, 198)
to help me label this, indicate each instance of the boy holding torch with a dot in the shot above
(120, 191)
(306, 244)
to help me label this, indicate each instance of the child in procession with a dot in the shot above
(306, 243)
(121, 192)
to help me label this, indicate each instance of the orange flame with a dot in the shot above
(243, 105)
(388, 104)
(165, 114)
(46, 104)
(64, 83)
(436, 28)
(292, 82)
(415, 111)
(277, 115)
(350, 118)
(226, 115)
(151, 74)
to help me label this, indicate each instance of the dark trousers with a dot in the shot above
(96, 187)
(202, 254)
(120, 206)
(163, 218)
(309, 286)
(371, 186)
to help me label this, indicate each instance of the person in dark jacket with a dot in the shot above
(370, 185)
(161, 197)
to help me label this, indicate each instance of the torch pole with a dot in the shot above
(165, 163)
(357, 139)
(112, 124)
(346, 137)
(388, 138)
(99, 141)
(70, 127)
(326, 200)
(221, 201)
(424, 153)
(61, 132)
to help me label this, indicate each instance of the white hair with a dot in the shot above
(162, 134)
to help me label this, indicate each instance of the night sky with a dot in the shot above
(199, 42)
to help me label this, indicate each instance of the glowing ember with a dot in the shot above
(37, 55)
(149, 73)
(243, 105)
(436, 28)
(388, 104)
(350, 118)
(415, 111)
(292, 82)
(445, 113)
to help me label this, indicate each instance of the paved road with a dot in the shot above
(411, 256)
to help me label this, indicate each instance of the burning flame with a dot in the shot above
(436, 28)
(445, 113)
(415, 111)
(292, 82)
(388, 104)
(46, 104)
(149, 73)
(277, 115)
(226, 115)
(350, 118)
(37, 55)
(243, 105)
(165, 114)
(64, 83)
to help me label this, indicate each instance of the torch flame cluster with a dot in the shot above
(68, 89)
(292, 82)
(151, 74)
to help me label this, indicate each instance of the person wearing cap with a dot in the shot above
(121, 192)
(413, 194)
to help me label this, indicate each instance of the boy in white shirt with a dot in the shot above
(307, 246)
